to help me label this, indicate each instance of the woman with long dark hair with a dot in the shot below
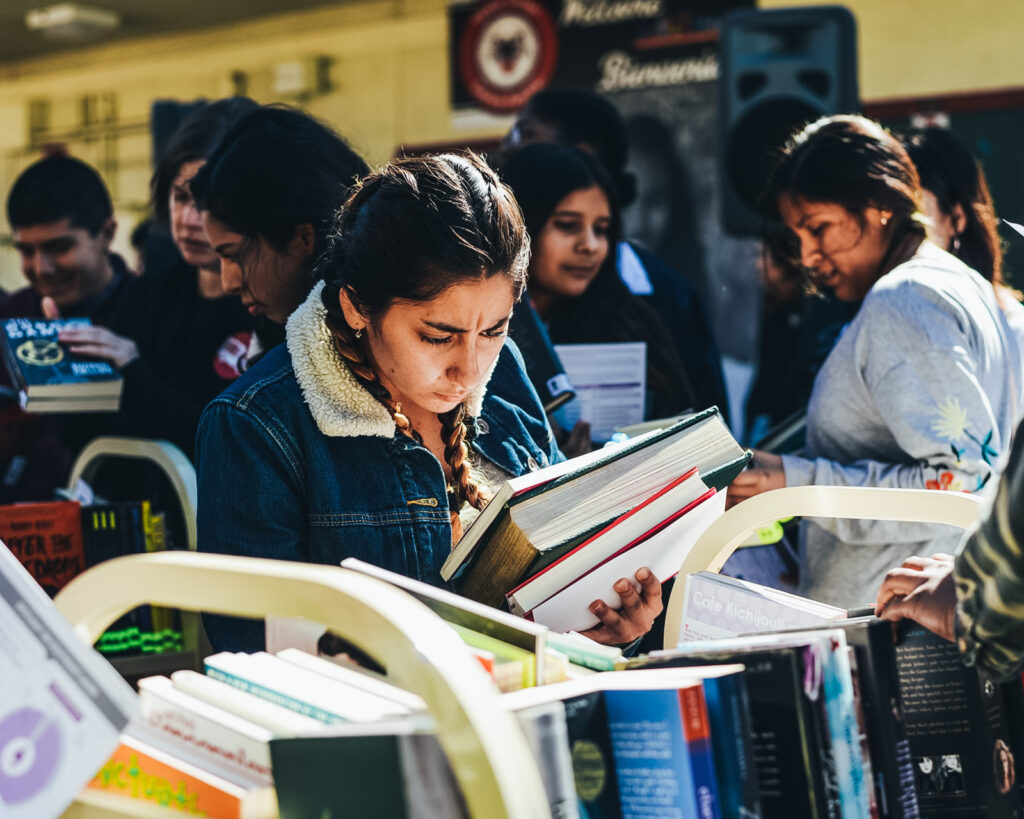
(922, 388)
(574, 224)
(961, 214)
(396, 405)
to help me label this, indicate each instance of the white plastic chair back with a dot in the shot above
(733, 528)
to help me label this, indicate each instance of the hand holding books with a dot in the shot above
(636, 615)
(93, 341)
(763, 473)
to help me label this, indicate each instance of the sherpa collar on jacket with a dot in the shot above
(341, 406)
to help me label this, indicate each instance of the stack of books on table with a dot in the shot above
(552, 542)
(48, 377)
(57, 540)
(851, 717)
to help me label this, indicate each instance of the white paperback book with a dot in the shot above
(610, 382)
(716, 606)
(662, 553)
(62, 705)
(182, 724)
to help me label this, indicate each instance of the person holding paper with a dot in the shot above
(573, 220)
(922, 388)
(395, 402)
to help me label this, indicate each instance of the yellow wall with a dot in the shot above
(389, 75)
(911, 48)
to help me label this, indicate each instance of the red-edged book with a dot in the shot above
(622, 534)
(662, 550)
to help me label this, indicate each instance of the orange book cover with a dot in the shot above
(47, 539)
(138, 773)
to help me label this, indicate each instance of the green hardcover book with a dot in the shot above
(535, 518)
(387, 770)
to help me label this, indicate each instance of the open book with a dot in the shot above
(537, 518)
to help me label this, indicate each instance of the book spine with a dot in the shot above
(280, 721)
(697, 730)
(651, 756)
(854, 796)
(593, 763)
(133, 774)
(195, 735)
(277, 697)
(892, 763)
(731, 737)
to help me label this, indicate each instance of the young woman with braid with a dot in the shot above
(396, 403)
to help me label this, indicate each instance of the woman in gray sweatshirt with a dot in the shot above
(923, 386)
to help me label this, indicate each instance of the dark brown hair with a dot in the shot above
(408, 232)
(851, 161)
(542, 175)
(954, 177)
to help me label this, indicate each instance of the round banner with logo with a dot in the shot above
(507, 53)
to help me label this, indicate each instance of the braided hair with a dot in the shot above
(410, 231)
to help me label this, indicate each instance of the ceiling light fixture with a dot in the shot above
(72, 21)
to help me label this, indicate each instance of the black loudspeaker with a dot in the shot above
(779, 69)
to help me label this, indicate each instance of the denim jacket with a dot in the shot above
(297, 461)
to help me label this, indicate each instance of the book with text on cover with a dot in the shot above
(49, 377)
(47, 538)
(537, 518)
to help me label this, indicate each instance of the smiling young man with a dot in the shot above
(62, 221)
(60, 214)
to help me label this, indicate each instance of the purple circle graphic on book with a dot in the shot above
(29, 753)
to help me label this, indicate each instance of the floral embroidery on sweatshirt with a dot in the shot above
(951, 423)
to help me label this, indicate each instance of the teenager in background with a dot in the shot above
(591, 123)
(62, 222)
(962, 218)
(574, 223)
(396, 404)
(919, 391)
(175, 336)
(268, 192)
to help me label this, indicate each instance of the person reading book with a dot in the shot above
(573, 220)
(268, 193)
(921, 389)
(974, 598)
(396, 402)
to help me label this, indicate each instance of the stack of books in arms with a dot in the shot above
(48, 377)
(551, 542)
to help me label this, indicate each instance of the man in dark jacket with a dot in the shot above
(62, 221)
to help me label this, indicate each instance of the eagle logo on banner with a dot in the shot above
(508, 51)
